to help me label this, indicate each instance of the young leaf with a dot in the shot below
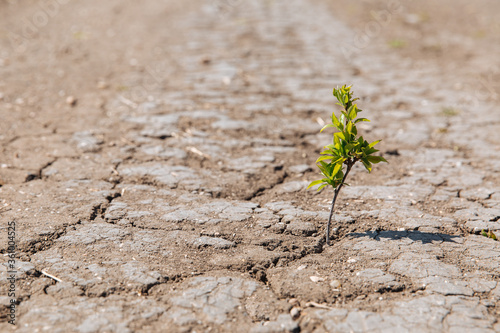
(323, 158)
(361, 119)
(374, 143)
(354, 130)
(375, 159)
(321, 187)
(350, 146)
(337, 122)
(337, 160)
(352, 112)
(336, 169)
(316, 182)
(367, 164)
(340, 135)
(342, 118)
(326, 126)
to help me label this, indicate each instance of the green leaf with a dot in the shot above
(338, 167)
(374, 143)
(361, 119)
(340, 160)
(367, 164)
(352, 111)
(324, 168)
(323, 158)
(348, 131)
(336, 141)
(336, 94)
(321, 187)
(368, 151)
(354, 129)
(316, 182)
(376, 159)
(326, 126)
(337, 159)
(342, 149)
(340, 135)
(337, 122)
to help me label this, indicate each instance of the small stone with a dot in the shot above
(316, 279)
(102, 84)
(335, 284)
(71, 100)
(412, 19)
(295, 313)
(205, 61)
(283, 323)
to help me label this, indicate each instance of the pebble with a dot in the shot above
(102, 84)
(71, 100)
(295, 313)
(335, 284)
(316, 279)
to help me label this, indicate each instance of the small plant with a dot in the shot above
(489, 234)
(397, 43)
(449, 112)
(346, 150)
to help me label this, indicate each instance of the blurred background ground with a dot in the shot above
(152, 152)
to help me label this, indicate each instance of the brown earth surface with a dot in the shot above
(155, 154)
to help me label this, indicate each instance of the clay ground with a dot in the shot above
(154, 158)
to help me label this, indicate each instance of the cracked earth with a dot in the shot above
(154, 158)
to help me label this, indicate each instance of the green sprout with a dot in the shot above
(489, 234)
(338, 158)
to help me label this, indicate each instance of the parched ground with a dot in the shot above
(154, 158)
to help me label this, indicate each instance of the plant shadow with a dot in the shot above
(414, 235)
